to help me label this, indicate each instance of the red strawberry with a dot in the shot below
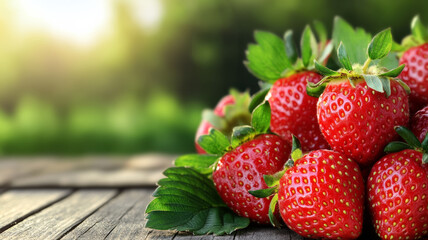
(360, 105)
(230, 111)
(251, 154)
(415, 74)
(275, 62)
(419, 123)
(242, 169)
(293, 111)
(415, 57)
(321, 195)
(398, 192)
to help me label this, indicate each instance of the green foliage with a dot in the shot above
(188, 201)
(380, 45)
(215, 142)
(199, 162)
(309, 46)
(261, 118)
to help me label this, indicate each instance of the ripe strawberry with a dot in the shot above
(251, 154)
(321, 195)
(275, 62)
(398, 190)
(415, 57)
(419, 123)
(360, 106)
(242, 169)
(230, 111)
(294, 111)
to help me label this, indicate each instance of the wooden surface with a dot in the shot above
(90, 198)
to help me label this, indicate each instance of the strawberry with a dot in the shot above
(252, 153)
(230, 111)
(398, 190)
(359, 106)
(419, 123)
(275, 62)
(321, 194)
(415, 57)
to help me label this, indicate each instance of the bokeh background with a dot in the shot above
(132, 76)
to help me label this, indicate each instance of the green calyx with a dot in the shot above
(418, 37)
(411, 142)
(377, 77)
(273, 58)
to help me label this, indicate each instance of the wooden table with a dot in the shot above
(90, 198)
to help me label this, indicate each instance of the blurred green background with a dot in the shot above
(129, 76)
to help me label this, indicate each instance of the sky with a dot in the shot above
(80, 21)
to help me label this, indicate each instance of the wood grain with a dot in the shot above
(18, 204)
(58, 219)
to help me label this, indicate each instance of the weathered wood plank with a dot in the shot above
(138, 171)
(18, 204)
(107, 218)
(267, 233)
(58, 219)
(182, 236)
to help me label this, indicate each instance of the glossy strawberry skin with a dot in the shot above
(322, 196)
(359, 122)
(242, 169)
(415, 75)
(205, 126)
(398, 195)
(294, 112)
(419, 123)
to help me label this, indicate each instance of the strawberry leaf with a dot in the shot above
(326, 52)
(374, 82)
(214, 143)
(290, 47)
(386, 85)
(425, 143)
(199, 162)
(268, 59)
(403, 85)
(354, 40)
(308, 46)
(396, 147)
(321, 31)
(342, 55)
(325, 71)
(242, 134)
(261, 118)
(408, 136)
(380, 45)
(272, 207)
(296, 149)
(425, 158)
(258, 98)
(263, 193)
(187, 201)
(394, 72)
(418, 30)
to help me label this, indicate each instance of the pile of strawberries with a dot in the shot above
(318, 147)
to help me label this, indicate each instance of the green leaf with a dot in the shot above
(261, 118)
(267, 60)
(263, 193)
(315, 90)
(242, 134)
(403, 85)
(354, 40)
(308, 46)
(321, 31)
(214, 143)
(394, 72)
(380, 45)
(258, 98)
(201, 163)
(296, 149)
(373, 82)
(290, 47)
(326, 53)
(186, 209)
(272, 207)
(396, 147)
(343, 57)
(425, 143)
(386, 85)
(418, 30)
(424, 158)
(388, 62)
(273, 180)
(408, 136)
(325, 71)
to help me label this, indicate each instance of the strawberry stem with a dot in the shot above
(366, 65)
